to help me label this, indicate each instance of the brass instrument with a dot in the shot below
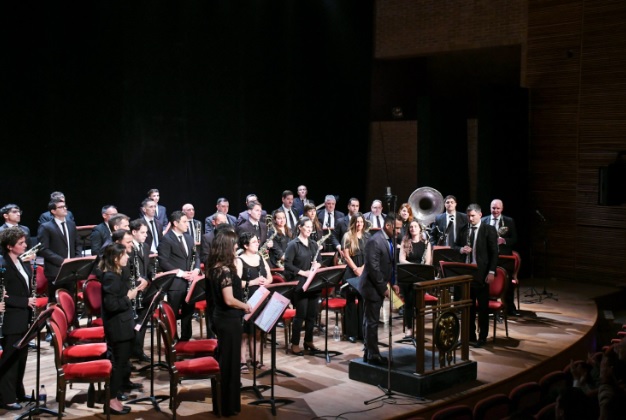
(2, 290)
(426, 203)
(31, 252)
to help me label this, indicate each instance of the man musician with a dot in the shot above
(155, 228)
(448, 224)
(177, 252)
(222, 206)
(143, 271)
(253, 222)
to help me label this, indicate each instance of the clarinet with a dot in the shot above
(33, 290)
(2, 270)
(134, 275)
(194, 255)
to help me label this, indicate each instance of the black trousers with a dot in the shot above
(12, 368)
(409, 304)
(371, 317)
(121, 364)
(229, 331)
(306, 305)
(353, 313)
(479, 296)
(176, 299)
(140, 335)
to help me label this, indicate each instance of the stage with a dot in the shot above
(543, 339)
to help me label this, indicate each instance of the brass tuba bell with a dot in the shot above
(426, 203)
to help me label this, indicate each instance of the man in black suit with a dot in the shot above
(47, 216)
(376, 216)
(207, 239)
(479, 243)
(328, 216)
(101, 233)
(143, 272)
(343, 225)
(176, 252)
(449, 224)
(195, 226)
(60, 242)
(507, 238)
(117, 222)
(253, 224)
(155, 228)
(160, 212)
(287, 208)
(301, 200)
(12, 215)
(222, 207)
(377, 273)
(243, 216)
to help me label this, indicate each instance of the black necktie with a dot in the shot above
(256, 229)
(182, 245)
(472, 237)
(292, 220)
(64, 231)
(378, 223)
(155, 238)
(450, 232)
(330, 220)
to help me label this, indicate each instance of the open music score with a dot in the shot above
(256, 300)
(272, 312)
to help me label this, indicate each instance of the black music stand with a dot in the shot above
(84, 237)
(408, 274)
(71, 272)
(33, 332)
(286, 290)
(326, 278)
(163, 282)
(257, 389)
(448, 255)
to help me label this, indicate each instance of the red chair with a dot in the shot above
(79, 352)
(42, 289)
(287, 319)
(497, 306)
(551, 386)
(494, 407)
(515, 280)
(548, 412)
(196, 368)
(200, 308)
(526, 398)
(335, 304)
(456, 412)
(92, 292)
(74, 335)
(94, 371)
(191, 348)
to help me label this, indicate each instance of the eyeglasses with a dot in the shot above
(61, 207)
(16, 211)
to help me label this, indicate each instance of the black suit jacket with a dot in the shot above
(207, 240)
(246, 226)
(99, 235)
(146, 270)
(162, 215)
(117, 312)
(17, 314)
(337, 215)
(54, 250)
(510, 236)
(368, 216)
(208, 222)
(341, 227)
(486, 251)
(172, 257)
(244, 216)
(298, 206)
(159, 228)
(378, 267)
(440, 222)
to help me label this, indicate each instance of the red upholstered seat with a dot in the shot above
(200, 307)
(84, 351)
(494, 407)
(289, 314)
(86, 334)
(526, 398)
(86, 370)
(192, 348)
(42, 302)
(198, 366)
(201, 304)
(93, 302)
(83, 334)
(335, 303)
(497, 289)
(430, 299)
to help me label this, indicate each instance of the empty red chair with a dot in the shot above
(191, 348)
(92, 295)
(526, 398)
(494, 407)
(456, 412)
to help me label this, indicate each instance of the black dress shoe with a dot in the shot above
(122, 397)
(514, 313)
(478, 344)
(143, 357)
(352, 339)
(129, 386)
(12, 407)
(378, 360)
(124, 410)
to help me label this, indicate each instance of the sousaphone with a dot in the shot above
(426, 203)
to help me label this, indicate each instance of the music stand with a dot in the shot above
(71, 272)
(287, 290)
(257, 389)
(84, 237)
(163, 281)
(326, 278)
(446, 254)
(33, 332)
(408, 274)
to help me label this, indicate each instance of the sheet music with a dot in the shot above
(272, 312)
(256, 300)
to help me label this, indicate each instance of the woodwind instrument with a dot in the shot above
(306, 284)
(194, 255)
(134, 276)
(263, 251)
(2, 290)
(33, 291)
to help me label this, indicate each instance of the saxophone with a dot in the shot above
(263, 251)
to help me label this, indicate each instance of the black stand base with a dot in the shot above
(326, 354)
(153, 399)
(272, 402)
(275, 371)
(36, 411)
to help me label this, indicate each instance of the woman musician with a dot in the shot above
(19, 302)
(281, 239)
(311, 213)
(414, 249)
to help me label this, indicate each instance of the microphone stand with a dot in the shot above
(388, 393)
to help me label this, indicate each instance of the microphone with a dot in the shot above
(543, 219)
(388, 193)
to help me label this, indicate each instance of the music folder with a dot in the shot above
(256, 300)
(74, 269)
(272, 312)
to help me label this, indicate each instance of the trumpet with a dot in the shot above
(33, 251)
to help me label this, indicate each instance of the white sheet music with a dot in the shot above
(272, 311)
(256, 300)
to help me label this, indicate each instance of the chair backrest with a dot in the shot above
(59, 318)
(498, 286)
(42, 281)
(494, 407)
(67, 304)
(93, 296)
(166, 314)
(456, 412)
(552, 384)
(526, 398)
(168, 343)
(518, 263)
(277, 278)
(57, 343)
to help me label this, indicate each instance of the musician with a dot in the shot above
(101, 233)
(328, 216)
(217, 219)
(281, 239)
(47, 216)
(253, 272)
(376, 216)
(118, 320)
(253, 223)
(244, 215)
(406, 216)
(222, 207)
(195, 226)
(287, 208)
(160, 212)
(144, 271)
(507, 238)
(301, 200)
(155, 228)
(377, 273)
(224, 296)
(300, 263)
(19, 303)
(176, 252)
(342, 225)
(117, 222)
(311, 213)
(478, 242)
(12, 215)
(353, 252)
(60, 243)
(417, 250)
(448, 224)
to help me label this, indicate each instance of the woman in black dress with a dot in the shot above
(225, 296)
(417, 250)
(118, 320)
(280, 241)
(353, 246)
(299, 265)
(18, 305)
(311, 213)
(253, 272)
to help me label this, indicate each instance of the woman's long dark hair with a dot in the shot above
(222, 251)
(111, 258)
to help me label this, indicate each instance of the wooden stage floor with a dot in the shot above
(546, 330)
